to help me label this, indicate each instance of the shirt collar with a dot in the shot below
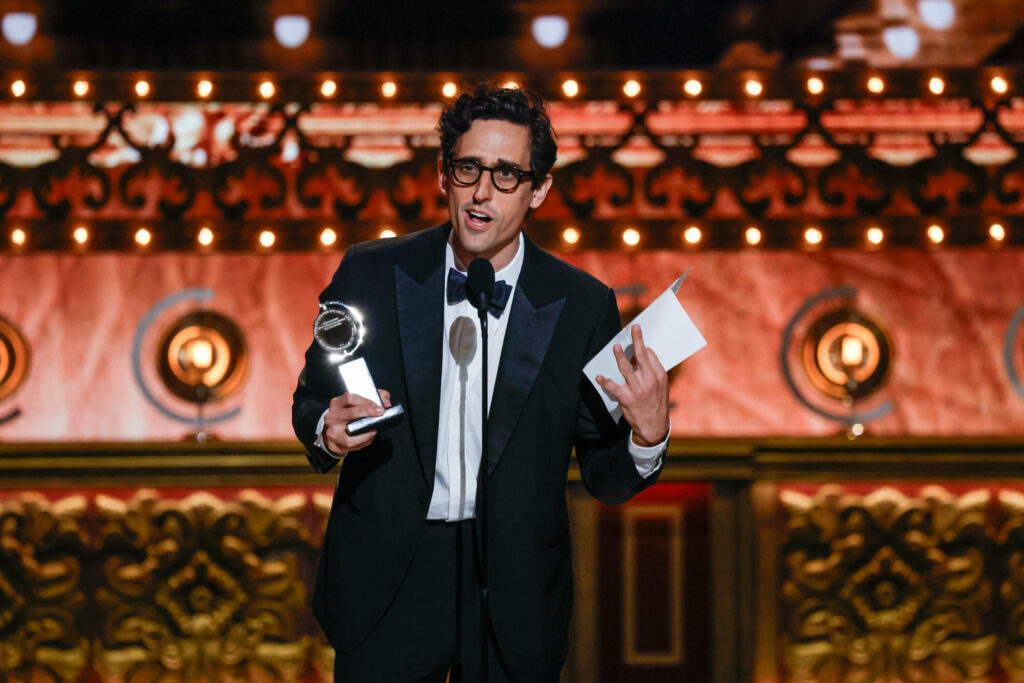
(510, 273)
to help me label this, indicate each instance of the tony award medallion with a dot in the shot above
(339, 330)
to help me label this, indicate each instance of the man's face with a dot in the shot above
(485, 220)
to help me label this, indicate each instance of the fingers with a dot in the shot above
(342, 410)
(616, 390)
(625, 367)
(385, 396)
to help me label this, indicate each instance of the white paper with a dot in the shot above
(666, 328)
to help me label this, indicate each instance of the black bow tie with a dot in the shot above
(456, 292)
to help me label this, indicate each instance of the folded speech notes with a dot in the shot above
(666, 328)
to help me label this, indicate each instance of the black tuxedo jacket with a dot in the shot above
(542, 407)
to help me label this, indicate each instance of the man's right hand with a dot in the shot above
(348, 408)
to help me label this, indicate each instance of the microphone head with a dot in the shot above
(480, 283)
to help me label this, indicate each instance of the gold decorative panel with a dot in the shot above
(887, 586)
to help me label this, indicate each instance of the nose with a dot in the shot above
(484, 189)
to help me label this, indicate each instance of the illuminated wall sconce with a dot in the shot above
(15, 357)
(846, 355)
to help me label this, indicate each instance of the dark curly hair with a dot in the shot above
(523, 107)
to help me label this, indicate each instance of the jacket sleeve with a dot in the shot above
(313, 393)
(606, 467)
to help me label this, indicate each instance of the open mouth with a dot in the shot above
(477, 220)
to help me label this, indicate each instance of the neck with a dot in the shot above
(498, 259)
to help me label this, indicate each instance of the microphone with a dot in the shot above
(480, 284)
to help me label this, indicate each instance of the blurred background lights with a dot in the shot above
(999, 85)
(328, 237)
(267, 90)
(449, 89)
(291, 30)
(571, 236)
(937, 14)
(875, 235)
(388, 232)
(631, 88)
(692, 234)
(80, 235)
(18, 27)
(18, 237)
(204, 88)
(142, 88)
(18, 88)
(936, 85)
(902, 41)
(80, 88)
(997, 232)
(813, 236)
(815, 85)
(753, 87)
(876, 84)
(550, 30)
(693, 87)
(570, 88)
(631, 236)
(389, 89)
(267, 238)
(205, 236)
(752, 235)
(328, 88)
(143, 237)
(936, 234)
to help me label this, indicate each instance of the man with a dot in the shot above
(396, 590)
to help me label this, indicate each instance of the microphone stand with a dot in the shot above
(481, 493)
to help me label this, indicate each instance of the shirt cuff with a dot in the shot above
(319, 443)
(648, 458)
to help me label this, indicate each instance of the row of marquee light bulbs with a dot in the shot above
(631, 237)
(693, 87)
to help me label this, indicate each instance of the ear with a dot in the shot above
(541, 192)
(442, 177)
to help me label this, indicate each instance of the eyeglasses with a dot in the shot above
(504, 177)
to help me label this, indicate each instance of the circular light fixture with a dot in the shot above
(571, 236)
(328, 88)
(267, 238)
(449, 89)
(550, 30)
(204, 88)
(876, 85)
(202, 357)
(997, 232)
(631, 237)
(328, 237)
(15, 357)
(902, 41)
(693, 87)
(936, 85)
(753, 87)
(205, 236)
(813, 236)
(18, 237)
(815, 85)
(388, 232)
(570, 88)
(267, 90)
(999, 85)
(18, 88)
(937, 14)
(389, 89)
(80, 235)
(142, 88)
(846, 355)
(291, 30)
(143, 237)
(936, 234)
(80, 88)
(510, 85)
(19, 27)
(752, 235)
(692, 235)
(631, 88)
(875, 235)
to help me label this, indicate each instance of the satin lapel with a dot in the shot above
(526, 343)
(421, 326)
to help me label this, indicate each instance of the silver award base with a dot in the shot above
(357, 380)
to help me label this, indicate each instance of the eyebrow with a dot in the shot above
(501, 162)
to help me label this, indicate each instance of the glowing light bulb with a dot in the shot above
(143, 237)
(449, 89)
(18, 88)
(570, 88)
(267, 239)
(936, 234)
(813, 236)
(80, 235)
(328, 88)
(815, 85)
(936, 85)
(550, 30)
(693, 87)
(388, 232)
(752, 236)
(80, 88)
(389, 89)
(204, 88)
(205, 237)
(631, 236)
(328, 237)
(692, 235)
(18, 237)
(631, 88)
(753, 87)
(999, 85)
(875, 235)
(142, 88)
(876, 85)
(267, 90)
(997, 232)
(571, 236)
(510, 85)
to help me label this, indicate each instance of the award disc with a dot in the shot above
(338, 328)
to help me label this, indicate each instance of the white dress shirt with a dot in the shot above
(458, 429)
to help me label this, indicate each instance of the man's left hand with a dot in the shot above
(643, 396)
